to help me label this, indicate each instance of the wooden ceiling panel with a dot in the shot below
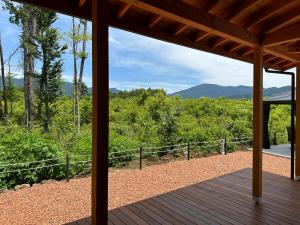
(286, 16)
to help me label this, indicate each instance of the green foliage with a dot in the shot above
(21, 146)
(140, 118)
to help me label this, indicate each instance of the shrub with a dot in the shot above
(20, 147)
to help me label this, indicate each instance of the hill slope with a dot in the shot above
(215, 91)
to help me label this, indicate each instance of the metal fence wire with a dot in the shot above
(71, 161)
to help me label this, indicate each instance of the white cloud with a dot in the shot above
(169, 87)
(201, 66)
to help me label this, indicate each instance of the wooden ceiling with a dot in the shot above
(231, 28)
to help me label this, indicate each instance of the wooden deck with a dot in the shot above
(222, 200)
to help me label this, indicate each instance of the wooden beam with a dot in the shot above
(100, 112)
(200, 37)
(154, 20)
(210, 4)
(81, 2)
(234, 47)
(269, 58)
(180, 29)
(239, 8)
(297, 162)
(123, 9)
(257, 123)
(288, 34)
(189, 15)
(282, 21)
(247, 51)
(293, 49)
(68, 7)
(282, 52)
(218, 42)
(265, 13)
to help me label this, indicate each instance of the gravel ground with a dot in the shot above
(61, 202)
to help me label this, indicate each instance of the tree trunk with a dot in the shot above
(75, 79)
(10, 87)
(29, 30)
(1, 108)
(83, 56)
(47, 110)
(3, 79)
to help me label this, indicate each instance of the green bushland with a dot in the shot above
(139, 118)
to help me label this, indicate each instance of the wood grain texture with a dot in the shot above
(222, 200)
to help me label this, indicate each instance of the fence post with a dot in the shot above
(189, 150)
(225, 145)
(68, 167)
(222, 146)
(141, 156)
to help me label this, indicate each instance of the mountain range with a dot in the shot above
(215, 91)
(202, 90)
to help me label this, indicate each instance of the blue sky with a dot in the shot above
(141, 62)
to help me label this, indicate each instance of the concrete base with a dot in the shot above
(257, 200)
(297, 178)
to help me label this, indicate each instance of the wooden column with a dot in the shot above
(257, 123)
(297, 134)
(100, 112)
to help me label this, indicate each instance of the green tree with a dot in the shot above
(25, 16)
(50, 52)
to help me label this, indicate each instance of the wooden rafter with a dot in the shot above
(180, 29)
(284, 35)
(154, 20)
(210, 4)
(200, 36)
(282, 21)
(123, 9)
(269, 58)
(218, 42)
(247, 51)
(265, 13)
(293, 49)
(234, 47)
(81, 2)
(198, 19)
(239, 8)
(282, 51)
(72, 8)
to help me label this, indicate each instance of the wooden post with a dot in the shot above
(225, 146)
(100, 112)
(257, 123)
(297, 162)
(68, 167)
(141, 158)
(189, 151)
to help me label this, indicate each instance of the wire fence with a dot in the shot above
(78, 162)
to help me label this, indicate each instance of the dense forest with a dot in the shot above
(39, 125)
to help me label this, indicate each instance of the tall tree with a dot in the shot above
(49, 79)
(25, 16)
(83, 54)
(78, 37)
(75, 43)
(3, 79)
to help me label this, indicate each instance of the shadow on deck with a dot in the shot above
(222, 200)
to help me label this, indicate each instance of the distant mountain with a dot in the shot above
(67, 90)
(215, 91)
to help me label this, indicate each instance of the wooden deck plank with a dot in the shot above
(222, 200)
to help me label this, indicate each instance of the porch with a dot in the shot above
(223, 200)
